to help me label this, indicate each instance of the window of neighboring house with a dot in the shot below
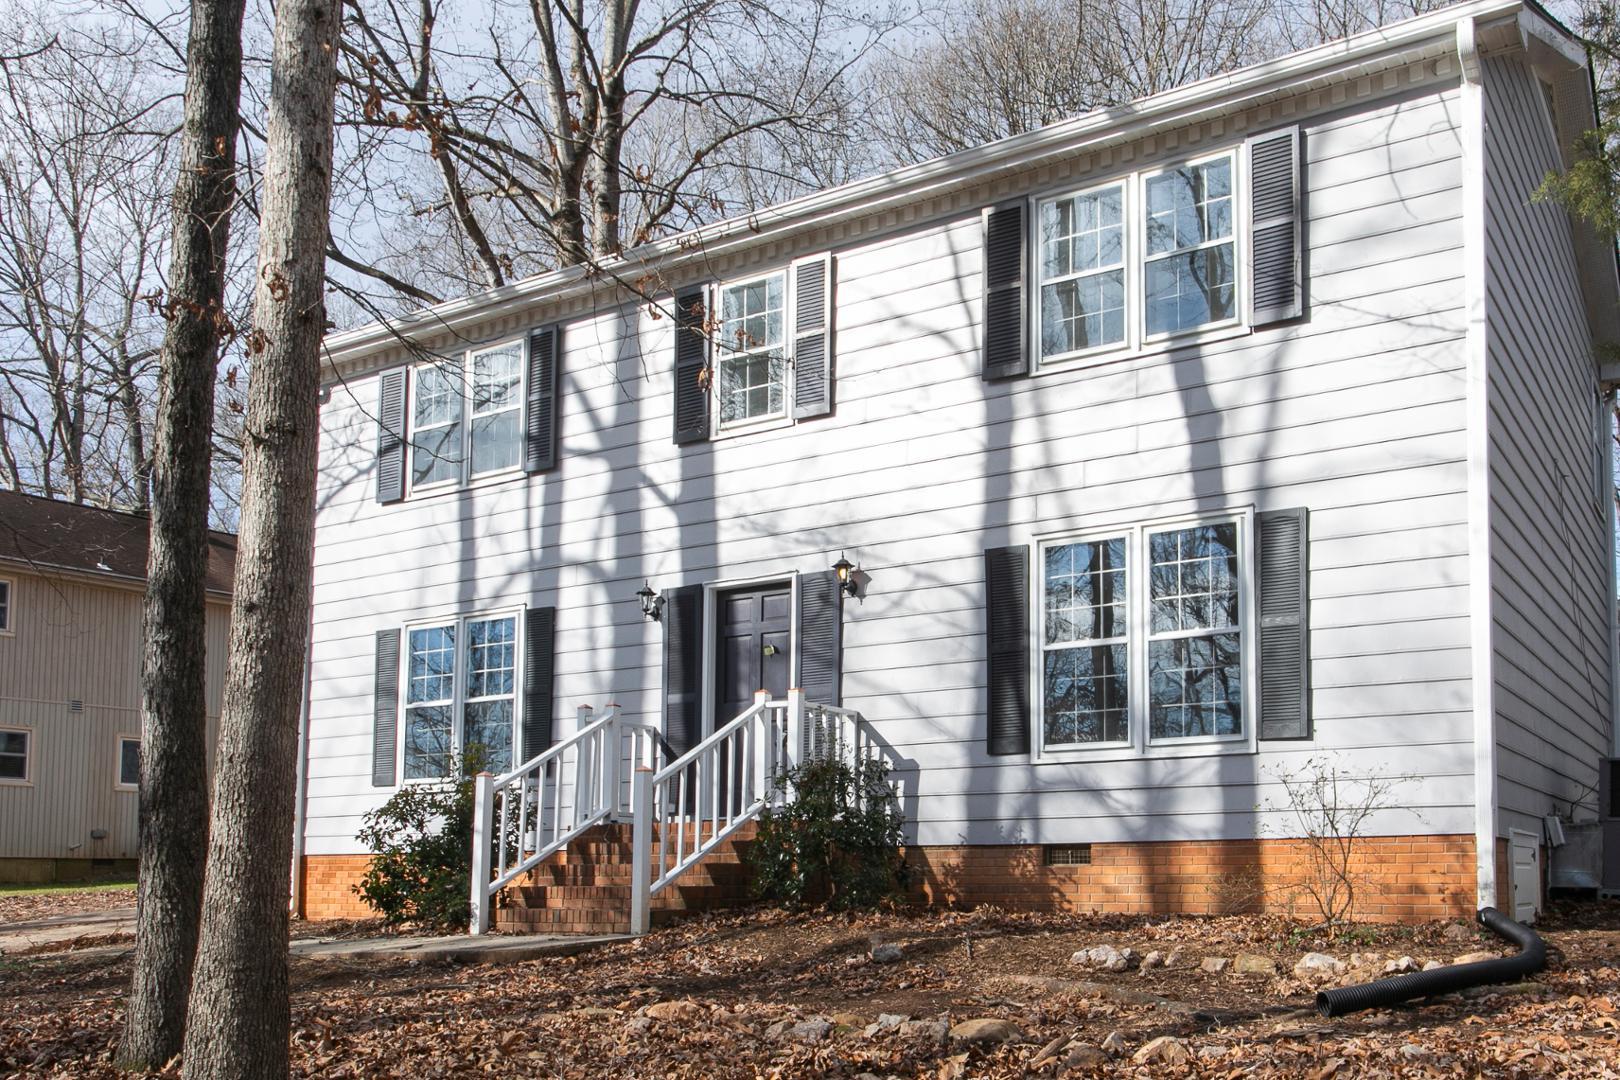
(1189, 266)
(751, 366)
(460, 692)
(129, 762)
(1144, 622)
(6, 604)
(15, 743)
(1137, 260)
(467, 418)
(1082, 253)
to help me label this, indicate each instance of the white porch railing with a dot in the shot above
(522, 817)
(702, 797)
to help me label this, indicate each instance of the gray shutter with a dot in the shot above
(1276, 255)
(391, 436)
(539, 669)
(540, 420)
(683, 666)
(1285, 694)
(1004, 303)
(812, 337)
(1006, 586)
(691, 357)
(821, 638)
(385, 710)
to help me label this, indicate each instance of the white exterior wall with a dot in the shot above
(1357, 412)
(1549, 491)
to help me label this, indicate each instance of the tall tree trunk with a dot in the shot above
(174, 780)
(241, 978)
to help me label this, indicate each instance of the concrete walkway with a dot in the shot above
(21, 936)
(452, 948)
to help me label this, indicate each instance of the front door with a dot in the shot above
(755, 648)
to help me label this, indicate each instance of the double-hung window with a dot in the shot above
(467, 417)
(460, 693)
(14, 746)
(1138, 260)
(6, 605)
(1143, 639)
(751, 366)
(1190, 258)
(1083, 272)
(129, 763)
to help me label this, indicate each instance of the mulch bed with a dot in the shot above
(718, 985)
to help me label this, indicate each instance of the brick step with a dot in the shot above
(617, 898)
(704, 873)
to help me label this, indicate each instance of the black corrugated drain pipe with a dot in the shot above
(1532, 958)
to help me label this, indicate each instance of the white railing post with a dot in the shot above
(641, 814)
(483, 812)
(795, 728)
(613, 746)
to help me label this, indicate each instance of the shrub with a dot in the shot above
(422, 871)
(835, 840)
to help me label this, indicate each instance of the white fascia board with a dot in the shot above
(1336, 62)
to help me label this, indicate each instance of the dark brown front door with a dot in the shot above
(755, 648)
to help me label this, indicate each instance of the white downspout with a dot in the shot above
(1475, 346)
(1606, 435)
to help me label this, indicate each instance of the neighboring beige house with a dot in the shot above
(71, 580)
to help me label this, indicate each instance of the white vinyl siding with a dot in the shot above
(1549, 521)
(1355, 412)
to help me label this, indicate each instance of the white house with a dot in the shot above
(1176, 445)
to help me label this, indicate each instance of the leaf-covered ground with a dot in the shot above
(27, 903)
(709, 999)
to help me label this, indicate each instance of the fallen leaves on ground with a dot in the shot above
(48, 903)
(767, 994)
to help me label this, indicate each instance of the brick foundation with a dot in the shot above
(1403, 878)
(328, 887)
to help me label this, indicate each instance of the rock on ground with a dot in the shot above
(887, 953)
(1315, 965)
(1166, 1049)
(1214, 964)
(1254, 964)
(1105, 958)
(1114, 1043)
(676, 1010)
(985, 1030)
(1475, 957)
(934, 1031)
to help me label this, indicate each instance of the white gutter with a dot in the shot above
(1482, 651)
(1219, 95)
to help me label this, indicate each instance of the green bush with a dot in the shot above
(835, 840)
(422, 871)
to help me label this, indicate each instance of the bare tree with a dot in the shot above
(83, 161)
(241, 975)
(1311, 22)
(557, 133)
(1003, 67)
(174, 780)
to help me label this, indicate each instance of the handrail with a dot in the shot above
(529, 813)
(703, 797)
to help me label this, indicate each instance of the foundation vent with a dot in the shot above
(1068, 854)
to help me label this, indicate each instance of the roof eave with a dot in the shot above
(1335, 62)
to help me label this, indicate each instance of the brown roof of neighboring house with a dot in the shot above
(48, 534)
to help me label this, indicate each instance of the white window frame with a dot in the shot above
(458, 692)
(1140, 743)
(118, 762)
(1138, 342)
(460, 371)
(27, 779)
(1240, 204)
(8, 625)
(1128, 255)
(717, 425)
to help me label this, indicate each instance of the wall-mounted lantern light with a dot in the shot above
(846, 574)
(652, 605)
